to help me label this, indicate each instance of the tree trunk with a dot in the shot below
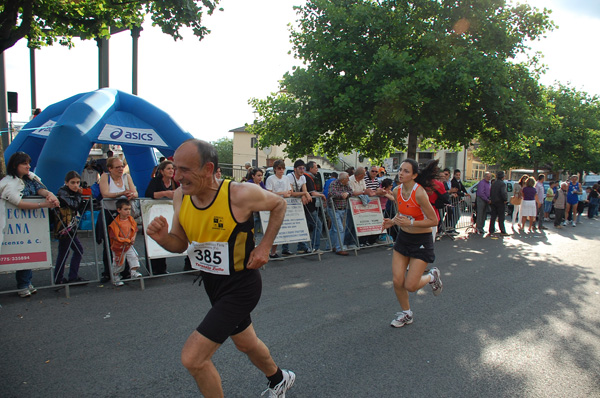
(411, 153)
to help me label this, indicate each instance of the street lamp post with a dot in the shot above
(256, 148)
(255, 113)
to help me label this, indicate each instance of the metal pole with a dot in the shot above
(3, 110)
(102, 62)
(256, 147)
(135, 34)
(32, 79)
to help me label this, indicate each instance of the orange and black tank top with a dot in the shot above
(219, 244)
(410, 207)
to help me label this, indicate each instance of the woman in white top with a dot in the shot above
(18, 183)
(113, 184)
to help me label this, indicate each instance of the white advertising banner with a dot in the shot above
(367, 218)
(294, 227)
(152, 208)
(44, 129)
(25, 238)
(130, 135)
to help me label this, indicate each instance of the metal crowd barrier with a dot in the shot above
(459, 214)
(351, 241)
(91, 266)
(319, 223)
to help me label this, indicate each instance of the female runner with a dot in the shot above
(413, 249)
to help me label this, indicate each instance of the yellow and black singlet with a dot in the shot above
(218, 243)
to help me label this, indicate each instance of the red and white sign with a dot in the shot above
(367, 218)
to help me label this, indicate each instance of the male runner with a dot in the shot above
(214, 218)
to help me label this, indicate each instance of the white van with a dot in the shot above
(509, 190)
(590, 180)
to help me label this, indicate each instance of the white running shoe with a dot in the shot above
(574, 223)
(135, 274)
(117, 280)
(279, 390)
(436, 285)
(401, 319)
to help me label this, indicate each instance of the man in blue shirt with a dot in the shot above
(333, 177)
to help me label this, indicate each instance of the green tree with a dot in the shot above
(378, 75)
(531, 147)
(224, 147)
(563, 134)
(577, 142)
(46, 22)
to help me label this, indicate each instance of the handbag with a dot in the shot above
(95, 188)
(516, 201)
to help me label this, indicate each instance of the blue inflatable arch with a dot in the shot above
(60, 138)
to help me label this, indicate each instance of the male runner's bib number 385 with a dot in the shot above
(210, 257)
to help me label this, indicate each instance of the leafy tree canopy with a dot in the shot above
(377, 74)
(44, 22)
(224, 147)
(564, 134)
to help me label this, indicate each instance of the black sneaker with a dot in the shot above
(274, 255)
(286, 253)
(78, 280)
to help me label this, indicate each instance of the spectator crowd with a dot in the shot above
(326, 207)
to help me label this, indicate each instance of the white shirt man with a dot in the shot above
(358, 185)
(278, 184)
(298, 181)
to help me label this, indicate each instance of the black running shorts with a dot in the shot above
(418, 246)
(233, 297)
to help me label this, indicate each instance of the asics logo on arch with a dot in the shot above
(130, 135)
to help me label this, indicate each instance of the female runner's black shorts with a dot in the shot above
(419, 246)
(233, 297)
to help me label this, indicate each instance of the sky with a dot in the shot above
(205, 85)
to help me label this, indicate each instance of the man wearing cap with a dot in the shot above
(498, 199)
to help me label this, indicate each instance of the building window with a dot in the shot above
(478, 170)
(253, 142)
(451, 159)
(424, 157)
